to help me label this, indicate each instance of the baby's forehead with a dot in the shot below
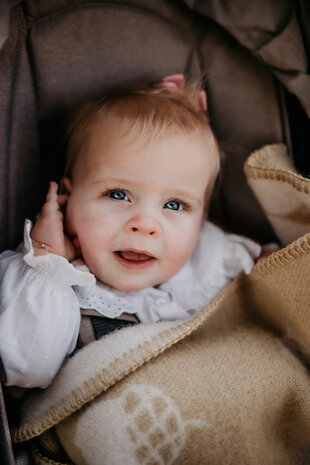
(122, 132)
(121, 150)
(105, 138)
(144, 113)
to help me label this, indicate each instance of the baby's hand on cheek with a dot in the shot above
(49, 227)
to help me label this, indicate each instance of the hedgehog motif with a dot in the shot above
(142, 426)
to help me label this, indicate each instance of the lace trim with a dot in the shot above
(108, 305)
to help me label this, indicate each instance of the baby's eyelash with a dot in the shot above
(186, 206)
(108, 191)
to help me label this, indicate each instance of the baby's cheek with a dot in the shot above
(180, 250)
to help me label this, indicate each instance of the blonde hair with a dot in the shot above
(151, 112)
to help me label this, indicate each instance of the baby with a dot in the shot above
(141, 166)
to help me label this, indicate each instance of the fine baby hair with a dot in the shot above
(168, 108)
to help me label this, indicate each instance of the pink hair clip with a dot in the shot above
(176, 83)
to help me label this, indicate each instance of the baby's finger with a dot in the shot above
(51, 204)
(52, 191)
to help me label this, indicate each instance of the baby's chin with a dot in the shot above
(131, 285)
(133, 281)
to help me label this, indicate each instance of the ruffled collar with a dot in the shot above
(217, 259)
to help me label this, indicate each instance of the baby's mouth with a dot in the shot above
(134, 258)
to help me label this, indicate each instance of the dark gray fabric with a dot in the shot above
(246, 109)
(5, 6)
(4, 21)
(276, 31)
(23, 156)
(61, 52)
(303, 15)
(109, 57)
(6, 452)
(18, 135)
(54, 59)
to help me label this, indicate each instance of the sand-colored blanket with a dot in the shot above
(230, 386)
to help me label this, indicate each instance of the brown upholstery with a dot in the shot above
(59, 52)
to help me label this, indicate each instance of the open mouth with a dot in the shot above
(134, 259)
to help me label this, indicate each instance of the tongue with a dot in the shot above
(128, 255)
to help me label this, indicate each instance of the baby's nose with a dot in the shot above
(146, 225)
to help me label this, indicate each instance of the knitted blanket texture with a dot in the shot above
(229, 386)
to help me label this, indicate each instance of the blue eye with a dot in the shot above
(118, 195)
(173, 205)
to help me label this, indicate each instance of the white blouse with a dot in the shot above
(41, 297)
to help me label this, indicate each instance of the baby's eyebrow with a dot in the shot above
(115, 181)
(187, 196)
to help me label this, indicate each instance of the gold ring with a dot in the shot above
(40, 245)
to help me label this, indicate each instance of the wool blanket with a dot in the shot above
(229, 386)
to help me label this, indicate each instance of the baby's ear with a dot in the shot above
(65, 186)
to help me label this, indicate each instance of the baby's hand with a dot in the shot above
(268, 249)
(49, 227)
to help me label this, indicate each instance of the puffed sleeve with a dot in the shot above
(39, 313)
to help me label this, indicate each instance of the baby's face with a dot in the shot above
(137, 208)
